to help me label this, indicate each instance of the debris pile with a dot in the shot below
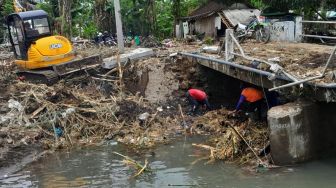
(235, 138)
(168, 43)
(86, 50)
(7, 68)
(150, 42)
(302, 60)
(136, 104)
(84, 115)
(5, 52)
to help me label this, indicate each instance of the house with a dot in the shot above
(284, 25)
(213, 18)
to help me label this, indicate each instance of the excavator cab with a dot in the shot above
(25, 28)
(41, 55)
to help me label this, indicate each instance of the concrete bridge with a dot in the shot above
(299, 131)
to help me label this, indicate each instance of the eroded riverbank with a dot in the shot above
(136, 105)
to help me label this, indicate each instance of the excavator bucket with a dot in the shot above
(77, 65)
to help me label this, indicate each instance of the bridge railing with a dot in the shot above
(231, 41)
(318, 22)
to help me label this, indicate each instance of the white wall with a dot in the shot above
(288, 31)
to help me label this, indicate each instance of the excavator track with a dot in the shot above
(78, 65)
(54, 73)
(48, 77)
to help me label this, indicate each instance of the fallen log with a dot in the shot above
(212, 149)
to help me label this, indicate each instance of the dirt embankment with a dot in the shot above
(139, 109)
(302, 60)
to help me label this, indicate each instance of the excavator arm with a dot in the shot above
(22, 6)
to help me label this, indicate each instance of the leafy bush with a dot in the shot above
(208, 40)
(90, 30)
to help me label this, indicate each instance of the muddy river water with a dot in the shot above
(172, 165)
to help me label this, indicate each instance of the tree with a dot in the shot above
(103, 15)
(64, 7)
(6, 8)
(176, 11)
(151, 15)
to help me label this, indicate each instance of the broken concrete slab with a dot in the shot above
(110, 63)
(210, 49)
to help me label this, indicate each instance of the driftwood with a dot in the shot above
(36, 112)
(142, 169)
(248, 145)
(104, 79)
(85, 115)
(184, 124)
(128, 160)
(111, 72)
(212, 149)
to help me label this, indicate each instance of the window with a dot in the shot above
(331, 14)
(16, 34)
(42, 25)
(36, 27)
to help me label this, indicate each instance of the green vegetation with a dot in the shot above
(142, 17)
(208, 40)
(6, 7)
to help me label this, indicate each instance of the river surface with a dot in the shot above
(173, 165)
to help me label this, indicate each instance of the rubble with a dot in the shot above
(210, 49)
(150, 42)
(82, 113)
(89, 49)
(169, 43)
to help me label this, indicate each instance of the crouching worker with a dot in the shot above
(198, 97)
(252, 99)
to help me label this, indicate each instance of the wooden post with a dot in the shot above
(228, 45)
(119, 26)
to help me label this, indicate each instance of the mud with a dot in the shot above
(19, 146)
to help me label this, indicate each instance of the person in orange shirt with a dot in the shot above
(253, 98)
(198, 97)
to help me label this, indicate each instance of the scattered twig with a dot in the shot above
(36, 112)
(212, 149)
(184, 124)
(110, 72)
(103, 79)
(142, 168)
(241, 136)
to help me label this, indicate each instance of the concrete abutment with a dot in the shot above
(301, 131)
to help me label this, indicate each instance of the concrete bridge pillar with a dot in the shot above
(292, 128)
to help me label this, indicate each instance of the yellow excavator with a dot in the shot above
(41, 56)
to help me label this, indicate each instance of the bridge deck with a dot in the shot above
(324, 92)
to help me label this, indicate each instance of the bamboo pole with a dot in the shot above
(248, 145)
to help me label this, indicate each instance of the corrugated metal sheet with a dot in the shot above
(210, 8)
(240, 15)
